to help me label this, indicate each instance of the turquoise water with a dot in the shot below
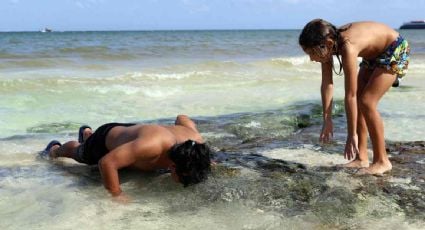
(96, 77)
(51, 83)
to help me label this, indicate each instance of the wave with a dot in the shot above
(168, 76)
(84, 49)
(87, 74)
(106, 80)
(8, 55)
(116, 89)
(288, 66)
(290, 61)
(35, 63)
(98, 52)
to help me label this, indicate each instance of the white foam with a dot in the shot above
(168, 76)
(122, 89)
(421, 161)
(164, 92)
(405, 183)
(216, 135)
(253, 124)
(296, 61)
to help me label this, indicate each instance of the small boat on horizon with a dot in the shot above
(418, 24)
(45, 30)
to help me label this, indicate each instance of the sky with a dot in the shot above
(72, 15)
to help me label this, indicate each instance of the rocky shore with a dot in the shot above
(337, 197)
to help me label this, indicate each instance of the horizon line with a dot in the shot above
(141, 30)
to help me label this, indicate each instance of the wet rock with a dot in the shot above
(306, 190)
(291, 189)
(303, 120)
(417, 147)
(405, 183)
(335, 206)
(225, 171)
(278, 165)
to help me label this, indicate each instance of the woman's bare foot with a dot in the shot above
(377, 169)
(355, 164)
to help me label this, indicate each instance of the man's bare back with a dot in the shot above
(158, 139)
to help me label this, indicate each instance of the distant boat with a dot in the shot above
(420, 24)
(45, 30)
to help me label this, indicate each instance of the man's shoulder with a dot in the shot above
(185, 121)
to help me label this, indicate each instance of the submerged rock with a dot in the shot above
(54, 127)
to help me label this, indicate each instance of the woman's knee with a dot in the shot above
(366, 104)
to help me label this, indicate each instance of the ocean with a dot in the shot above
(238, 85)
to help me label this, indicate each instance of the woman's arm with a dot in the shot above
(326, 91)
(349, 60)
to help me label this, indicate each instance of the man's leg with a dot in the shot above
(69, 149)
(84, 132)
(87, 132)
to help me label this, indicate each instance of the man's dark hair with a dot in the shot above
(192, 162)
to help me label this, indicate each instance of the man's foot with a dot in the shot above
(52, 153)
(83, 133)
(376, 169)
(48, 151)
(355, 164)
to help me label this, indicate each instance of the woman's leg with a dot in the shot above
(362, 159)
(379, 83)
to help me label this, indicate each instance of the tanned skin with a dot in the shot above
(363, 90)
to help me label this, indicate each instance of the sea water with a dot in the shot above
(237, 85)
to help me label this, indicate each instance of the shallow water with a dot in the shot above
(255, 98)
(264, 179)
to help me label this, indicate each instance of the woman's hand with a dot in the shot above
(122, 198)
(351, 147)
(327, 131)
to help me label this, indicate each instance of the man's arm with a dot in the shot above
(184, 120)
(121, 157)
